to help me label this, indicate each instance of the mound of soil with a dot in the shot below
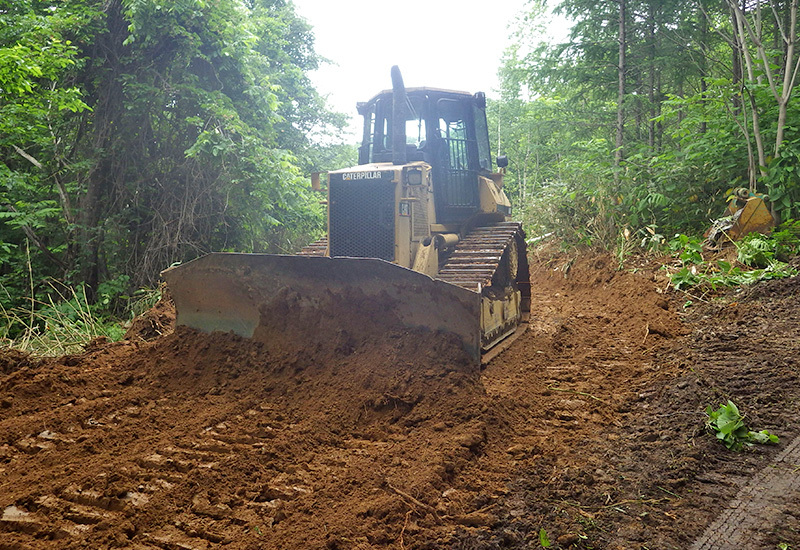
(590, 426)
(158, 321)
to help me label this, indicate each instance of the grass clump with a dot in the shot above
(64, 321)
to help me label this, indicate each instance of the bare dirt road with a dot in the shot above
(589, 428)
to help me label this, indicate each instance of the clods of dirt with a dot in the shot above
(157, 321)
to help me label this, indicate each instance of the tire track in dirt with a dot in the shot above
(111, 493)
(761, 502)
(199, 440)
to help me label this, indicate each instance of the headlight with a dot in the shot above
(413, 176)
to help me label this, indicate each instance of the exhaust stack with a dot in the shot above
(399, 106)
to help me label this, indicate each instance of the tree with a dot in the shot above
(38, 56)
(750, 34)
(641, 78)
(182, 128)
(621, 69)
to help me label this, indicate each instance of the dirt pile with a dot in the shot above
(157, 321)
(589, 426)
(196, 439)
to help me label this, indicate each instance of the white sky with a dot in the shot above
(452, 44)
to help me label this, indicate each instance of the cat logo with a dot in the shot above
(351, 176)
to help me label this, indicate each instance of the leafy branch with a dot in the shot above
(728, 425)
(760, 253)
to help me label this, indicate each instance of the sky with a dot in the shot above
(452, 44)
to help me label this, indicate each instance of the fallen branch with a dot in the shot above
(416, 503)
(554, 388)
(403, 530)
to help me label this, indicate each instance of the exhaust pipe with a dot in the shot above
(399, 106)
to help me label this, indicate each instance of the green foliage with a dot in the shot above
(688, 122)
(230, 138)
(332, 156)
(651, 239)
(754, 250)
(728, 425)
(142, 300)
(787, 240)
(62, 324)
(782, 180)
(544, 540)
(685, 278)
(40, 55)
(735, 276)
(689, 249)
(138, 133)
(64, 320)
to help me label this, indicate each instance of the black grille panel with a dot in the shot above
(362, 217)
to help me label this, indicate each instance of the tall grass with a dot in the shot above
(59, 320)
(61, 325)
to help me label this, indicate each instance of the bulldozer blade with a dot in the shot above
(310, 301)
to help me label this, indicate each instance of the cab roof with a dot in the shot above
(423, 89)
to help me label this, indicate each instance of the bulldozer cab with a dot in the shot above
(446, 129)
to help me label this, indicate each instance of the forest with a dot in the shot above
(650, 115)
(137, 133)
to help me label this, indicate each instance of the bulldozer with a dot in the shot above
(419, 236)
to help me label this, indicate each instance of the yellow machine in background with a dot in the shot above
(421, 230)
(746, 213)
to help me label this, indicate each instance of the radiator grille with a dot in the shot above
(419, 212)
(419, 216)
(362, 217)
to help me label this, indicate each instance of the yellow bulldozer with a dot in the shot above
(419, 236)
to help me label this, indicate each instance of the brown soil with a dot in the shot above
(590, 426)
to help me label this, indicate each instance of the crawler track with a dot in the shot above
(317, 248)
(492, 261)
(760, 503)
(475, 263)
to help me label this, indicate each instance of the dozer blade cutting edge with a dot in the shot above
(307, 301)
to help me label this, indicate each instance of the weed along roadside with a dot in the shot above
(594, 429)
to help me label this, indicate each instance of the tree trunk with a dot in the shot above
(523, 192)
(789, 74)
(659, 125)
(107, 99)
(651, 76)
(741, 32)
(618, 153)
(736, 61)
(703, 65)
